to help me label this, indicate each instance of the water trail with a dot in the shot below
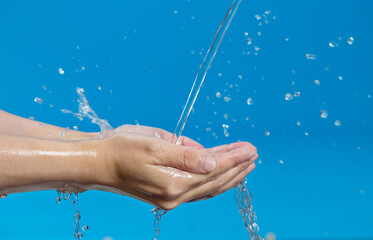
(243, 199)
(86, 111)
(158, 215)
(75, 202)
(201, 75)
(242, 195)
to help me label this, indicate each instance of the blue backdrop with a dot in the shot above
(137, 61)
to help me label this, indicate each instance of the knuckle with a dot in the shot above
(186, 159)
(172, 191)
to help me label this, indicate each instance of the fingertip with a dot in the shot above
(250, 168)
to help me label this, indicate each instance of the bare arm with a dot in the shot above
(135, 161)
(12, 124)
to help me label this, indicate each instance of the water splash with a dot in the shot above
(85, 111)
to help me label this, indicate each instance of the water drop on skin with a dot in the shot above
(323, 114)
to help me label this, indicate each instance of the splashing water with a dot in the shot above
(86, 111)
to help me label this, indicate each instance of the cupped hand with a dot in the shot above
(145, 165)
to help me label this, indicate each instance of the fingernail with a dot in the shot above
(208, 163)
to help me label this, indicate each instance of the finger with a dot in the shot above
(188, 159)
(232, 158)
(220, 185)
(185, 141)
(216, 151)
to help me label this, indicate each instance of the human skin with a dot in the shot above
(136, 161)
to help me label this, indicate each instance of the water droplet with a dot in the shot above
(218, 95)
(296, 94)
(311, 56)
(250, 101)
(258, 17)
(85, 228)
(226, 116)
(350, 40)
(267, 133)
(288, 97)
(66, 195)
(220, 74)
(61, 71)
(317, 82)
(225, 127)
(332, 44)
(260, 161)
(99, 88)
(249, 41)
(38, 100)
(281, 161)
(227, 99)
(208, 129)
(369, 96)
(340, 78)
(256, 48)
(3, 196)
(299, 123)
(306, 133)
(337, 123)
(323, 114)
(246, 34)
(75, 128)
(176, 12)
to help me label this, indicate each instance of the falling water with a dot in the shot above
(242, 195)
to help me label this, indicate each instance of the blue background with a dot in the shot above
(144, 55)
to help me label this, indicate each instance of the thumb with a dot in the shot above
(191, 160)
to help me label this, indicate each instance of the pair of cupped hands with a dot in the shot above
(144, 164)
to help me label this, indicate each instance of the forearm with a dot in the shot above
(33, 164)
(12, 124)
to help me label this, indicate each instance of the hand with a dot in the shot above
(143, 164)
